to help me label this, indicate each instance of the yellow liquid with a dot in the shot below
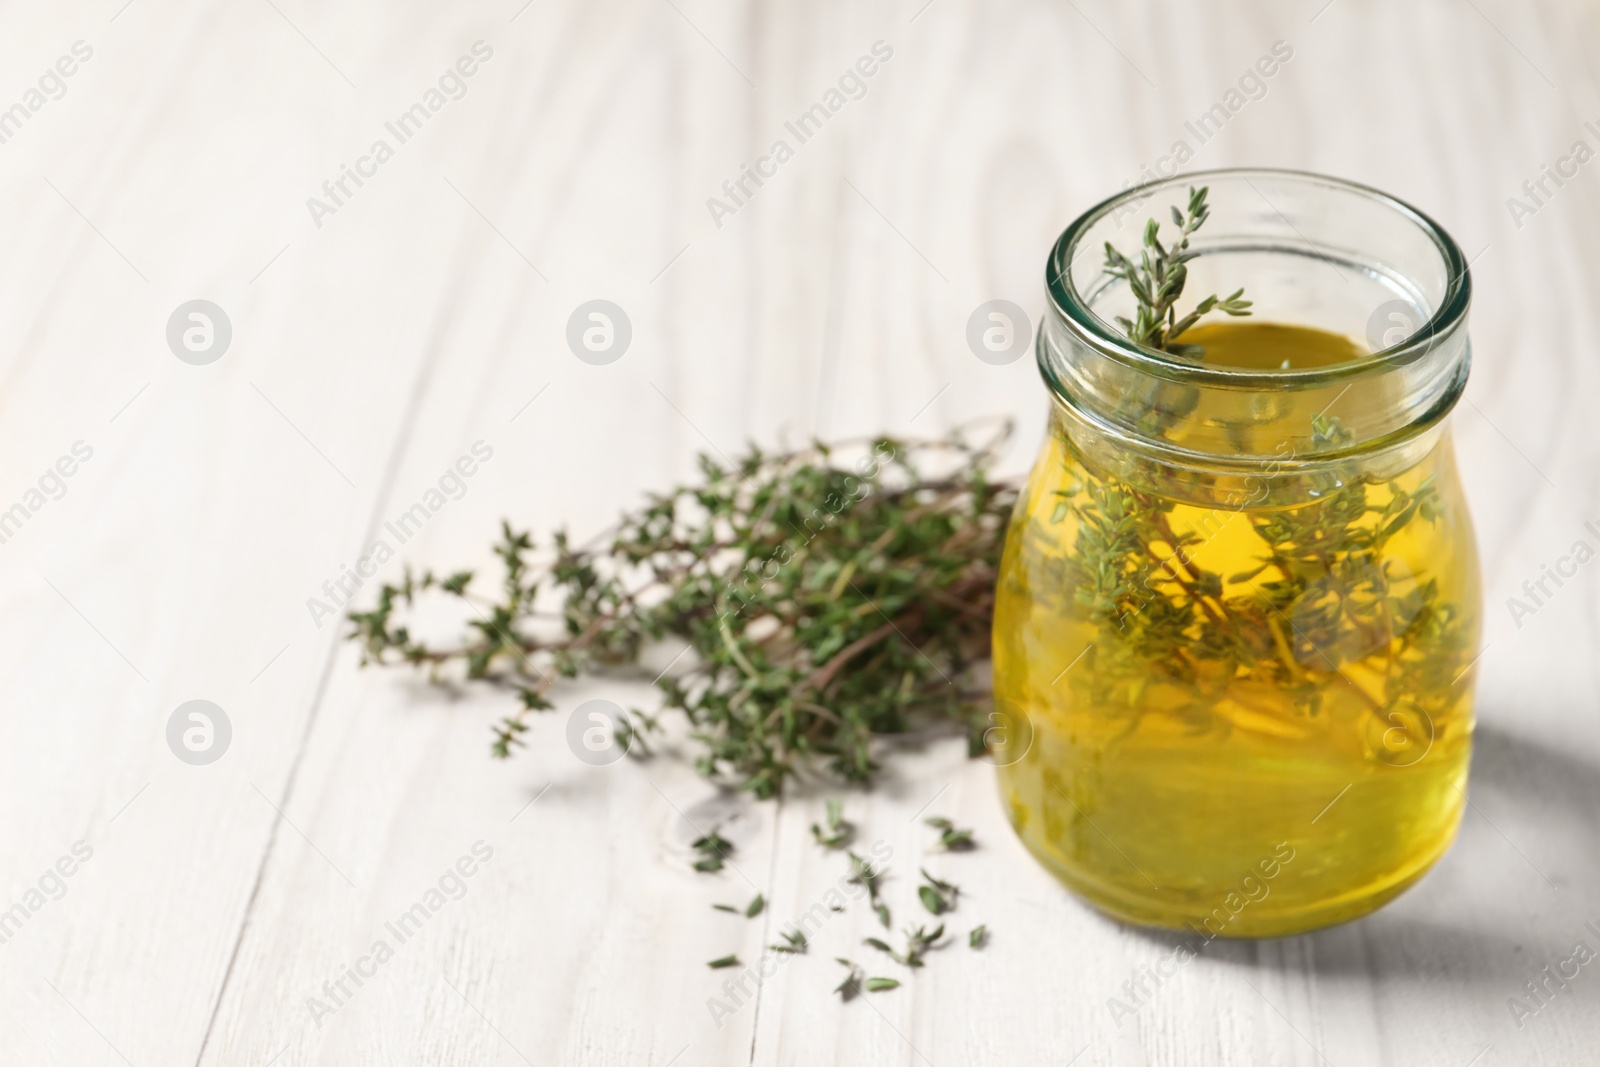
(1280, 751)
(1271, 345)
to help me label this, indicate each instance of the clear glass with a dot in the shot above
(1238, 611)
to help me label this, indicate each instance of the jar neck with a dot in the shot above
(1258, 419)
(1310, 251)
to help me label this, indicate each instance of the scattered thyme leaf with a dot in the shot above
(725, 961)
(951, 891)
(918, 942)
(795, 941)
(839, 831)
(878, 985)
(979, 936)
(863, 874)
(754, 907)
(933, 900)
(951, 837)
(713, 849)
(726, 907)
(851, 986)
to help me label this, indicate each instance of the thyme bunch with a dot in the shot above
(826, 600)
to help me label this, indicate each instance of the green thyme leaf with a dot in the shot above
(851, 986)
(794, 941)
(838, 832)
(937, 896)
(863, 874)
(713, 849)
(952, 838)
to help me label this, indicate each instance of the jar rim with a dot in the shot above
(1088, 328)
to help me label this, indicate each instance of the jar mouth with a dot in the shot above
(1074, 308)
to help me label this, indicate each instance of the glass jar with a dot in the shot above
(1238, 609)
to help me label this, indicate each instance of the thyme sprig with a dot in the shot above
(1157, 281)
(826, 599)
(918, 944)
(1324, 596)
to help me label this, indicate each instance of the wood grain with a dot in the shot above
(429, 312)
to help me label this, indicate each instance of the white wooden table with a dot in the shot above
(374, 343)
